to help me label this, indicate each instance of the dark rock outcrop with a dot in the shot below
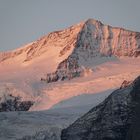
(125, 84)
(67, 69)
(116, 118)
(12, 103)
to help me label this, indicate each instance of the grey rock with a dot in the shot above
(12, 103)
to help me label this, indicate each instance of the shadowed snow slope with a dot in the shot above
(116, 118)
(86, 58)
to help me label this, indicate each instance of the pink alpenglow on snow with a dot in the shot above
(87, 58)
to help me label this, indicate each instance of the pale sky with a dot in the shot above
(23, 21)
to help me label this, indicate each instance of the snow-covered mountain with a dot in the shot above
(68, 72)
(89, 39)
(90, 50)
(95, 40)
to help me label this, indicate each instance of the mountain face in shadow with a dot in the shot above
(116, 118)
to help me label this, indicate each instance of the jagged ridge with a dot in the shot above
(63, 39)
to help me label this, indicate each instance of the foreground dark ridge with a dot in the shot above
(116, 118)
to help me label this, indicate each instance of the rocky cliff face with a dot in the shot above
(116, 118)
(98, 39)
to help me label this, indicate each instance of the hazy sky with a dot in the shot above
(23, 21)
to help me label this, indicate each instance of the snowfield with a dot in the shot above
(67, 100)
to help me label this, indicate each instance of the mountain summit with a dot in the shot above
(95, 40)
(91, 36)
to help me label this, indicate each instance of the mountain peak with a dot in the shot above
(84, 41)
(95, 40)
(93, 21)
